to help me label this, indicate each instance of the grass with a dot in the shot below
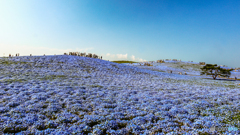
(13, 80)
(185, 65)
(7, 62)
(215, 83)
(96, 86)
(231, 117)
(124, 61)
(52, 77)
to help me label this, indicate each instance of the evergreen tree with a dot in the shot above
(214, 71)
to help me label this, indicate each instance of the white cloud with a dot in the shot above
(133, 57)
(141, 60)
(122, 56)
(137, 59)
(116, 56)
(109, 56)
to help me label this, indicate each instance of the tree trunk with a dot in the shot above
(214, 77)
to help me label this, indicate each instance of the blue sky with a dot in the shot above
(204, 30)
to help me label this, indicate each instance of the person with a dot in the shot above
(235, 78)
(101, 57)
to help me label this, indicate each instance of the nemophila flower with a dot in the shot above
(4, 109)
(176, 107)
(13, 104)
(139, 120)
(97, 131)
(133, 128)
(117, 115)
(23, 133)
(53, 108)
(66, 118)
(40, 97)
(40, 125)
(30, 119)
(61, 133)
(166, 107)
(49, 131)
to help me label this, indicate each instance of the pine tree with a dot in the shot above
(214, 71)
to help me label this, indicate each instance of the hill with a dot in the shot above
(80, 95)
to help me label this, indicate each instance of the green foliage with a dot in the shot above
(232, 117)
(214, 71)
(52, 77)
(96, 86)
(13, 80)
(7, 62)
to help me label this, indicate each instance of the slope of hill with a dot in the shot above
(79, 95)
(191, 68)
